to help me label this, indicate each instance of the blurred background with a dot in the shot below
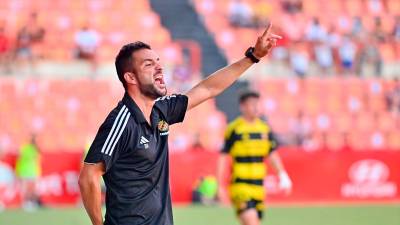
(330, 90)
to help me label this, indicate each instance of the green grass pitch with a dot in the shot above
(200, 215)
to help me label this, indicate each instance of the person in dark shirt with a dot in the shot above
(130, 149)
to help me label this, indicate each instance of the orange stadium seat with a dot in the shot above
(393, 140)
(342, 123)
(393, 6)
(354, 7)
(365, 122)
(359, 141)
(334, 141)
(311, 7)
(386, 122)
(67, 17)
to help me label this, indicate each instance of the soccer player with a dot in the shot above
(249, 141)
(130, 149)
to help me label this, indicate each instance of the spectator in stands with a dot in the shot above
(324, 57)
(87, 41)
(28, 37)
(333, 38)
(357, 29)
(4, 49)
(378, 33)
(28, 169)
(300, 128)
(292, 6)
(315, 31)
(299, 60)
(183, 76)
(240, 14)
(369, 55)
(393, 99)
(347, 54)
(396, 30)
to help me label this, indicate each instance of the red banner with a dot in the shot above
(57, 185)
(320, 176)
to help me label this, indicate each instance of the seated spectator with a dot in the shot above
(378, 33)
(396, 30)
(370, 55)
(87, 42)
(292, 6)
(347, 54)
(299, 60)
(300, 128)
(4, 49)
(393, 99)
(182, 77)
(357, 29)
(315, 31)
(324, 56)
(28, 36)
(240, 14)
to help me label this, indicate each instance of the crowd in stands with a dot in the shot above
(61, 31)
(28, 47)
(338, 37)
(334, 113)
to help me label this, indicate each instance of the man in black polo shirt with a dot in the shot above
(130, 150)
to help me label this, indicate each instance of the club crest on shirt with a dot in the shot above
(163, 127)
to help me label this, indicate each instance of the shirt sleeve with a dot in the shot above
(174, 107)
(274, 142)
(229, 139)
(110, 140)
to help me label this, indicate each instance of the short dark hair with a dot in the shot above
(248, 94)
(123, 61)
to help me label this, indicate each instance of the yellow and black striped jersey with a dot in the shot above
(249, 144)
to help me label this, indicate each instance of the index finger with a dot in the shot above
(267, 30)
(275, 36)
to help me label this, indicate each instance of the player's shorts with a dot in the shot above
(252, 204)
(246, 196)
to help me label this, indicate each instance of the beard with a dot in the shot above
(151, 91)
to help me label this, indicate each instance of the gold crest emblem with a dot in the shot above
(163, 126)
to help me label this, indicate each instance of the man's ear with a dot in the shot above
(130, 78)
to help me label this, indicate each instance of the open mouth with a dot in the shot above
(159, 80)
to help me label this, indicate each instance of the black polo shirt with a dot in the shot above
(135, 154)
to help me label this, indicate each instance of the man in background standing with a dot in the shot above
(28, 170)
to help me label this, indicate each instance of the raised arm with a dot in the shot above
(89, 184)
(223, 78)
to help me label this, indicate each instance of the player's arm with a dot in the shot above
(89, 184)
(221, 175)
(223, 78)
(224, 161)
(284, 181)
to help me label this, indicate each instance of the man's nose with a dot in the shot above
(159, 67)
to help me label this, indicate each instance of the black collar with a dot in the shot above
(133, 108)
